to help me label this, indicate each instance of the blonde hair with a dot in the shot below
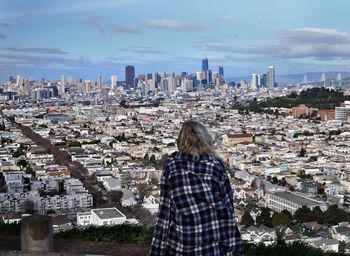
(195, 139)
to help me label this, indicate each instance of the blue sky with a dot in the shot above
(84, 38)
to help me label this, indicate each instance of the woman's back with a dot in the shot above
(200, 209)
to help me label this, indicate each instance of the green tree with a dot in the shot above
(264, 218)
(247, 220)
(333, 215)
(301, 213)
(281, 218)
(152, 159)
(302, 152)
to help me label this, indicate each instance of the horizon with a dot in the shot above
(90, 38)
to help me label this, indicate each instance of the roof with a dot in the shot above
(108, 213)
(322, 242)
(60, 220)
(239, 135)
(295, 198)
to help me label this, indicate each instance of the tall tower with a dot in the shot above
(130, 76)
(305, 79)
(254, 82)
(221, 71)
(205, 64)
(113, 82)
(62, 88)
(100, 82)
(339, 79)
(205, 70)
(323, 79)
(271, 78)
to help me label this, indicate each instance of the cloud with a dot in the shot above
(140, 49)
(36, 50)
(171, 25)
(308, 42)
(4, 24)
(125, 29)
(95, 22)
(226, 18)
(91, 20)
(2, 36)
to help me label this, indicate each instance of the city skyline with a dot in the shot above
(92, 38)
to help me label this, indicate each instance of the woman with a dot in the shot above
(196, 215)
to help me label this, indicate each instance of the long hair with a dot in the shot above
(195, 139)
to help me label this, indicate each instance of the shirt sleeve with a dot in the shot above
(160, 236)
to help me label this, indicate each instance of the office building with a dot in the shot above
(100, 82)
(221, 71)
(263, 81)
(114, 80)
(254, 83)
(271, 78)
(342, 112)
(130, 76)
(205, 65)
(291, 202)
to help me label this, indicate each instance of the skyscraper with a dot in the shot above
(205, 65)
(323, 79)
(254, 82)
(113, 82)
(130, 76)
(100, 82)
(221, 71)
(263, 81)
(339, 79)
(62, 88)
(271, 78)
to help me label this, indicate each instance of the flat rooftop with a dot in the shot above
(108, 213)
(296, 199)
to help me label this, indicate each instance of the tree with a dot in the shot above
(146, 157)
(22, 163)
(247, 219)
(264, 218)
(281, 218)
(333, 215)
(302, 152)
(152, 159)
(115, 197)
(274, 180)
(301, 213)
(315, 215)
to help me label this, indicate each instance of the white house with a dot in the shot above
(101, 217)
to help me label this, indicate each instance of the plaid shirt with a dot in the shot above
(196, 215)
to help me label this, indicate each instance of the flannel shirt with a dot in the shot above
(196, 214)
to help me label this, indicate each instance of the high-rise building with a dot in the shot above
(271, 78)
(205, 65)
(339, 79)
(221, 71)
(114, 80)
(100, 82)
(62, 88)
(130, 76)
(263, 81)
(323, 79)
(305, 79)
(254, 82)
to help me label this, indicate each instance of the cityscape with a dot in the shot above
(84, 141)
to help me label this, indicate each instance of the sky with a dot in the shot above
(85, 38)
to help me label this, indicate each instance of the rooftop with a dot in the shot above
(108, 213)
(296, 199)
